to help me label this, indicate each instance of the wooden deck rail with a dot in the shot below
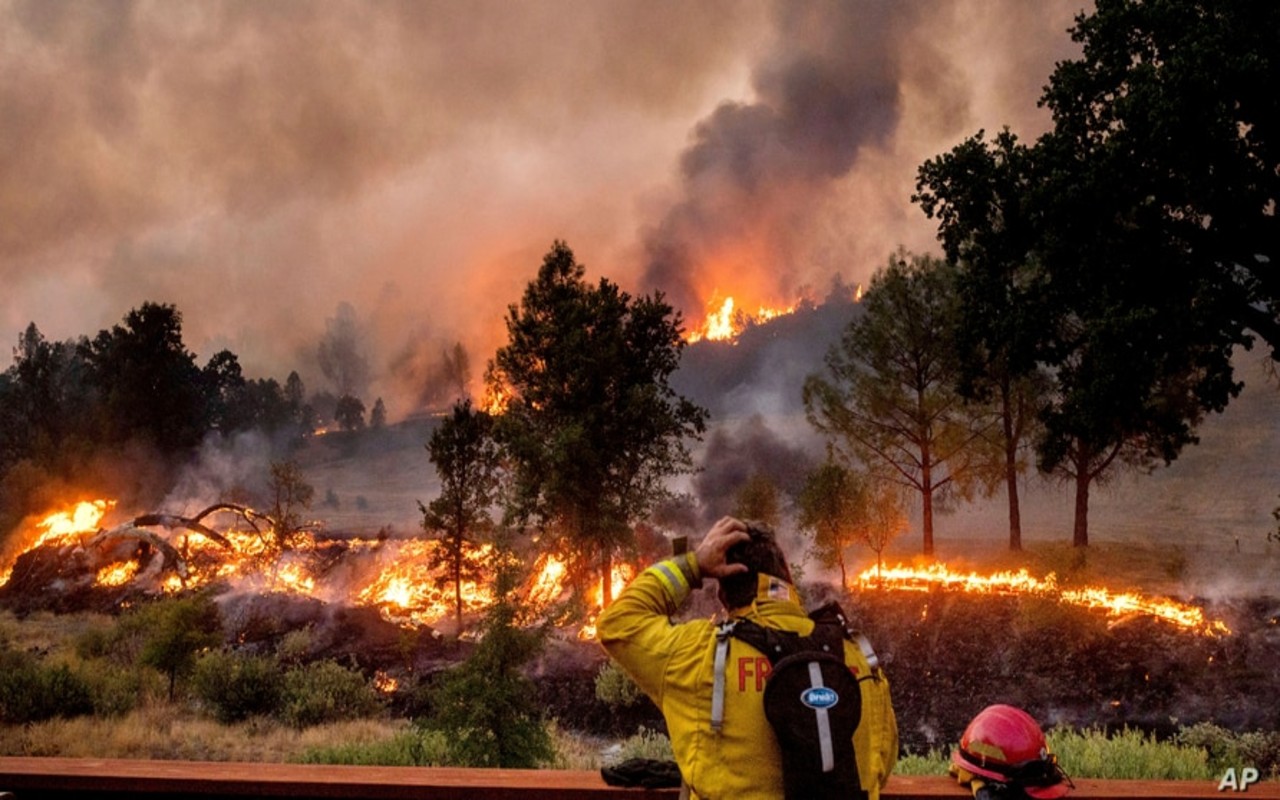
(61, 779)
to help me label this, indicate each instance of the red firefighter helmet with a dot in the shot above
(1005, 744)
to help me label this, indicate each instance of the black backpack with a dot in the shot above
(812, 701)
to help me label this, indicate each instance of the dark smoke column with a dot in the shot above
(755, 173)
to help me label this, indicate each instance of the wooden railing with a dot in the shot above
(62, 779)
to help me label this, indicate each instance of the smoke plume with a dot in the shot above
(255, 164)
(812, 174)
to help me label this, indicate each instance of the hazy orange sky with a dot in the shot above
(258, 163)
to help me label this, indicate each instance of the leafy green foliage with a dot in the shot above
(981, 196)
(235, 686)
(326, 691)
(64, 403)
(759, 500)
(888, 398)
(487, 708)
(647, 744)
(615, 688)
(591, 426)
(173, 632)
(412, 748)
(31, 691)
(840, 508)
(1131, 250)
(1171, 106)
(1226, 749)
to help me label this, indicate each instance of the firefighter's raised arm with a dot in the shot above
(636, 629)
(713, 550)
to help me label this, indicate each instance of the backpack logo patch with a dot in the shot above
(819, 697)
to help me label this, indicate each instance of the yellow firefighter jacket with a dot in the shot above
(673, 664)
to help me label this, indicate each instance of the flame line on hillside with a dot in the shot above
(938, 576)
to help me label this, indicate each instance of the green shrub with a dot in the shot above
(236, 687)
(414, 748)
(615, 688)
(114, 689)
(646, 744)
(1260, 749)
(1127, 754)
(326, 692)
(934, 762)
(485, 706)
(31, 691)
(1092, 753)
(95, 643)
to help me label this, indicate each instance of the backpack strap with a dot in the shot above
(833, 614)
(723, 634)
(830, 627)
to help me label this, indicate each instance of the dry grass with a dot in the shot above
(47, 633)
(169, 732)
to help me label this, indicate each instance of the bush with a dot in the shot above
(236, 687)
(1127, 754)
(485, 706)
(326, 692)
(416, 748)
(114, 689)
(647, 744)
(1225, 749)
(615, 688)
(1092, 753)
(31, 691)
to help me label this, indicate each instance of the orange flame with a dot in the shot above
(724, 322)
(496, 401)
(67, 524)
(385, 683)
(1116, 604)
(83, 517)
(115, 575)
(621, 575)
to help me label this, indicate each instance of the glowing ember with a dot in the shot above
(117, 574)
(725, 322)
(293, 578)
(938, 576)
(384, 682)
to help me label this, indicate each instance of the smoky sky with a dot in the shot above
(260, 164)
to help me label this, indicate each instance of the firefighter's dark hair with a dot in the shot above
(761, 554)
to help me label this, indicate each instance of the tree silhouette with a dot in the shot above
(591, 426)
(466, 459)
(888, 399)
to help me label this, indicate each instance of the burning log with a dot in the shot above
(171, 521)
(172, 558)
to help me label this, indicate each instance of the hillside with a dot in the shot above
(1218, 491)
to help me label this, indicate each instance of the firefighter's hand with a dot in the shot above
(715, 545)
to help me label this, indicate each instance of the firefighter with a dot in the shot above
(1003, 756)
(732, 752)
